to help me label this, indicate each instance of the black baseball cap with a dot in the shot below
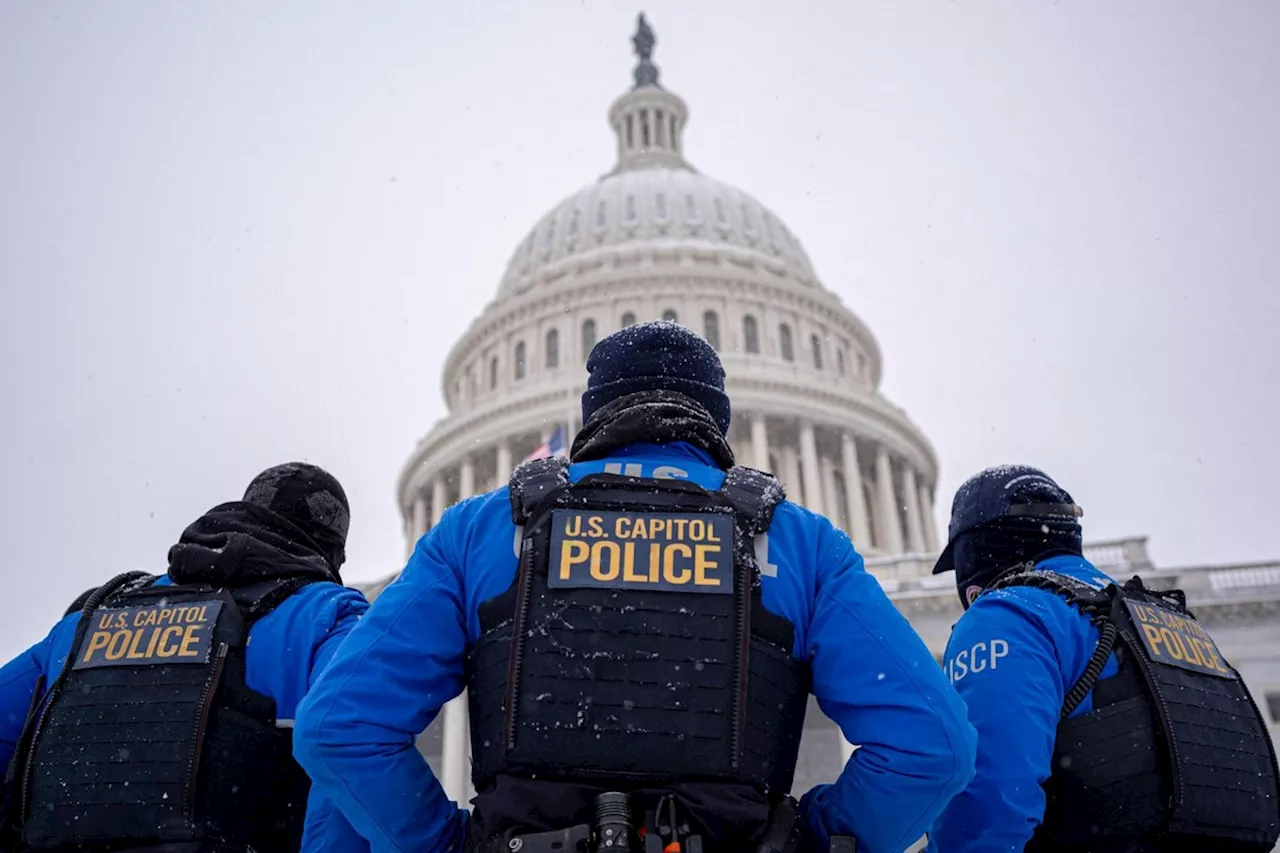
(1001, 492)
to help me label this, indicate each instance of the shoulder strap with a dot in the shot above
(533, 481)
(754, 495)
(259, 598)
(1093, 603)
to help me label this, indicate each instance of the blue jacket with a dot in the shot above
(287, 649)
(1012, 657)
(871, 674)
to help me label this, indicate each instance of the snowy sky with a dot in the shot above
(238, 233)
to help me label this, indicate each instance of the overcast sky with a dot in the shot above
(238, 233)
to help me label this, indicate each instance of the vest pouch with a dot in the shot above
(1108, 782)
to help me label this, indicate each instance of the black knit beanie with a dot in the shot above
(310, 498)
(653, 356)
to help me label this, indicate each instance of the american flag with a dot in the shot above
(553, 446)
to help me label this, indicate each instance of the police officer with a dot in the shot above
(1107, 718)
(641, 658)
(156, 716)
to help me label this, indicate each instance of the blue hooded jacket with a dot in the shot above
(871, 674)
(1012, 657)
(286, 650)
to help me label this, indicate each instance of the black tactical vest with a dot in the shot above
(633, 647)
(150, 735)
(1174, 755)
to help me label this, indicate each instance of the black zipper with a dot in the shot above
(742, 637)
(1162, 716)
(202, 721)
(54, 692)
(518, 640)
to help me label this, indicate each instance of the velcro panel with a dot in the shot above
(627, 683)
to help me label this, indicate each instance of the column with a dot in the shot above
(417, 523)
(911, 498)
(827, 469)
(791, 472)
(467, 479)
(893, 543)
(504, 463)
(455, 764)
(760, 442)
(809, 463)
(438, 497)
(857, 526)
(926, 517)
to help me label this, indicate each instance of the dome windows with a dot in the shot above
(493, 373)
(840, 361)
(588, 337)
(785, 346)
(552, 348)
(660, 128)
(602, 214)
(628, 319)
(748, 224)
(519, 365)
(671, 316)
(750, 334)
(630, 210)
(720, 214)
(573, 224)
(711, 328)
(690, 209)
(660, 207)
(815, 344)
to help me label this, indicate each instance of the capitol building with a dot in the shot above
(656, 238)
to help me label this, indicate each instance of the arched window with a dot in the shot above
(588, 337)
(670, 315)
(750, 334)
(573, 223)
(690, 209)
(660, 207)
(784, 343)
(815, 343)
(493, 372)
(519, 366)
(553, 348)
(471, 383)
(602, 212)
(631, 208)
(711, 328)
(840, 361)
(628, 319)
(720, 216)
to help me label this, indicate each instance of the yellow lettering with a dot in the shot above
(163, 649)
(595, 526)
(657, 527)
(669, 571)
(1172, 645)
(115, 650)
(1215, 661)
(97, 640)
(133, 654)
(697, 529)
(639, 531)
(573, 525)
(711, 533)
(1153, 637)
(621, 527)
(677, 527)
(629, 565)
(151, 646)
(598, 571)
(655, 561)
(190, 636)
(122, 621)
(1188, 646)
(572, 552)
(702, 562)
(202, 615)
(104, 621)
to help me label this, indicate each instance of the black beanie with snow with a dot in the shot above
(656, 356)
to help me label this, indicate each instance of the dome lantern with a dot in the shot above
(648, 120)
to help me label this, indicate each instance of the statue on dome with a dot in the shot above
(646, 73)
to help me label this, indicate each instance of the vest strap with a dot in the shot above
(532, 481)
(754, 495)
